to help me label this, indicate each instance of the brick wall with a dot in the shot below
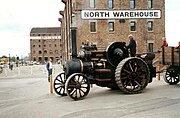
(103, 37)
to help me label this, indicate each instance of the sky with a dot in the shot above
(172, 22)
(17, 17)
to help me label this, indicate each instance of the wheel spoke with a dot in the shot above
(72, 86)
(76, 94)
(58, 87)
(72, 92)
(131, 84)
(135, 68)
(59, 80)
(57, 83)
(125, 82)
(170, 79)
(126, 71)
(167, 76)
(131, 67)
(60, 90)
(142, 76)
(137, 82)
(62, 76)
(80, 90)
(78, 78)
(124, 77)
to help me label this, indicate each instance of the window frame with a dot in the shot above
(50, 51)
(40, 52)
(45, 51)
(131, 27)
(149, 4)
(111, 26)
(150, 47)
(132, 4)
(110, 4)
(150, 26)
(92, 26)
(34, 58)
(92, 3)
(56, 51)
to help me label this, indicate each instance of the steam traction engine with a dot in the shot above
(112, 68)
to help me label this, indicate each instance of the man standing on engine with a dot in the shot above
(132, 45)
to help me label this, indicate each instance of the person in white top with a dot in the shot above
(49, 68)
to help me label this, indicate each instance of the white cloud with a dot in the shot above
(17, 17)
(172, 22)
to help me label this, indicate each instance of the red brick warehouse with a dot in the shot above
(148, 32)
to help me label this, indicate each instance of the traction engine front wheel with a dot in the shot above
(59, 84)
(77, 86)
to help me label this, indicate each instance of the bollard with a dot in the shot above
(51, 88)
(158, 70)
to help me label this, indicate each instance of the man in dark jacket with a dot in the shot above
(49, 68)
(132, 45)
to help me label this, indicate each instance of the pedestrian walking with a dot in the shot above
(49, 68)
(132, 45)
(11, 65)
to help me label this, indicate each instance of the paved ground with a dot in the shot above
(30, 98)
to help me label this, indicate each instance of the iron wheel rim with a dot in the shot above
(133, 75)
(77, 86)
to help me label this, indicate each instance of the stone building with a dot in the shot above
(45, 42)
(148, 32)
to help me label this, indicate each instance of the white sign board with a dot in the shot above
(120, 14)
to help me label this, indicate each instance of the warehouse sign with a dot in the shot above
(120, 14)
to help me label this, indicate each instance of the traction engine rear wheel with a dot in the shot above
(59, 84)
(77, 86)
(132, 75)
(171, 76)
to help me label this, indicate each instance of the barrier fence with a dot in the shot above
(34, 71)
